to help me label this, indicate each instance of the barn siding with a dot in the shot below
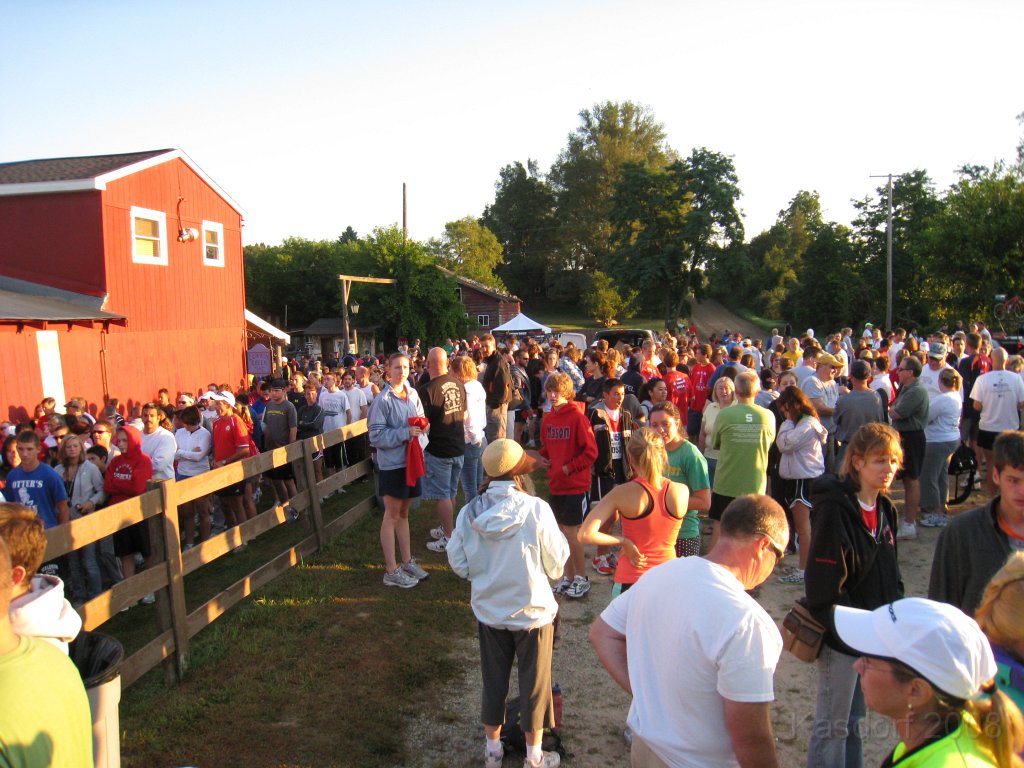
(56, 239)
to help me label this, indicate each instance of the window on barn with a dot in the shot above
(458, 292)
(213, 244)
(483, 320)
(149, 236)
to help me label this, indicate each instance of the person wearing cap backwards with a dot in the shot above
(929, 668)
(508, 544)
(936, 364)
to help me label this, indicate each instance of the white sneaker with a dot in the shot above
(561, 585)
(493, 759)
(579, 587)
(907, 531)
(436, 533)
(438, 546)
(547, 760)
(400, 579)
(413, 569)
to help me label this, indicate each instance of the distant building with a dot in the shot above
(486, 307)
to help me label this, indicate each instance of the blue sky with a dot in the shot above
(312, 114)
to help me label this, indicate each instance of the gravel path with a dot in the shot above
(595, 708)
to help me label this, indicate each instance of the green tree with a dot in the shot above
(915, 202)
(522, 217)
(470, 250)
(776, 255)
(669, 225)
(297, 280)
(602, 301)
(424, 304)
(584, 176)
(974, 247)
(828, 290)
(648, 216)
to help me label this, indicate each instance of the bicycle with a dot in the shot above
(1012, 308)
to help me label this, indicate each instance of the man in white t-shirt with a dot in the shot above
(337, 414)
(999, 396)
(714, 708)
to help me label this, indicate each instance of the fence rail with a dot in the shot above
(175, 625)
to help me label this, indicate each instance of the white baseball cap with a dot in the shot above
(226, 397)
(938, 641)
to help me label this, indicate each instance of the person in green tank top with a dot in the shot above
(686, 465)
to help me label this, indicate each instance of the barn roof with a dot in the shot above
(487, 290)
(92, 172)
(37, 305)
(70, 168)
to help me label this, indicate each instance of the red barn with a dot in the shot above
(486, 307)
(119, 274)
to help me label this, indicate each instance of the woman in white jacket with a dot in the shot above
(507, 543)
(801, 460)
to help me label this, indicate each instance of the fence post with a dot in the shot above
(170, 603)
(316, 515)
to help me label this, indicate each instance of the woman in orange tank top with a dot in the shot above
(651, 508)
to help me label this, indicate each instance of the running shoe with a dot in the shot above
(436, 533)
(602, 566)
(547, 760)
(907, 531)
(400, 579)
(934, 520)
(578, 588)
(493, 759)
(413, 569)
(794, 577)
(438, 546)
(561, 585)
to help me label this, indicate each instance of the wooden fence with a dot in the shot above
(175, 626)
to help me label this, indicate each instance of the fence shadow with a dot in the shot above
(175, 625)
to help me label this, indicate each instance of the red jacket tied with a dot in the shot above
(568, 442)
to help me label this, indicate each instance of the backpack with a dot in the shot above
(513, 738)
(519, 394)
(963, 460)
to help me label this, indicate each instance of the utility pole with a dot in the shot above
(405, 213)
(888, 255)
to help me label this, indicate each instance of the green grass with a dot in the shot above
(568, 319)
(764, 323)
(321, 667)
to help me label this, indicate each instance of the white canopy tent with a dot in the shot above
(521, 324)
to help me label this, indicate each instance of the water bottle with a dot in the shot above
(556, 699)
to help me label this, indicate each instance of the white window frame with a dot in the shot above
(458, 291)
(161, 218)
(213, 226)
(483, 320)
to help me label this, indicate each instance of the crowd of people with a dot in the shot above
(786, 445)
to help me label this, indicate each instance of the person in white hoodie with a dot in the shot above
(38, 606)
(508, 544)
(800, 440)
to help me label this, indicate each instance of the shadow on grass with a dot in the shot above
(322, 667)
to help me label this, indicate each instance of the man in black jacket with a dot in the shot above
(976, 544)
(497, 381)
